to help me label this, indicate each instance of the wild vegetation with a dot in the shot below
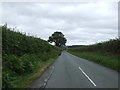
(22, 56)
(105, 53)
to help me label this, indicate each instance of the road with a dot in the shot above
(70, 71)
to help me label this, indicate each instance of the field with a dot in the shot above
(24, 57)
(104, 53)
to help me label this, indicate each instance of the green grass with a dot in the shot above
(29, 78)
(24, 58)
(112, 46)
(110, 61)
(105, 53)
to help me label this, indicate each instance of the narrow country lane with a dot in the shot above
(70, 71)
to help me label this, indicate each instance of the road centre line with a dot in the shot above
(87, 77)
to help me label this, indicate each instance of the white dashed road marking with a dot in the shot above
(87, 77)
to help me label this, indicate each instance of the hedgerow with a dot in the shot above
(21, 54)
(105, 53)
(112, 46)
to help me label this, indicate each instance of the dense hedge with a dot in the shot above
(21, 53)
(112, 46)
(104, 53)
(20, 44)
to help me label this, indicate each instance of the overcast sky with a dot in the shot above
(82, 23)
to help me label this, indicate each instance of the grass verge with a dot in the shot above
(24, 58)
(38, 71)
(110, 61)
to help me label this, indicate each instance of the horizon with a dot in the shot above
(14, 30)
(82, 23)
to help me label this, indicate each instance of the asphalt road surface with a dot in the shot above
(70, 71)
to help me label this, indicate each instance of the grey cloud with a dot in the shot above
(82, 23)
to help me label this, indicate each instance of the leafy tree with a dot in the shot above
(58, 38)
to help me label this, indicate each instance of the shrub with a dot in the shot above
(21, 54)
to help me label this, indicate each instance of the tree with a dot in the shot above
(58, 38)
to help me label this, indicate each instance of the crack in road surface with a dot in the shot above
(46, 80)
(70, 71)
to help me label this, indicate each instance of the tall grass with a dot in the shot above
(112, 46)
(104, 53)
(110, 61)
(21, 55)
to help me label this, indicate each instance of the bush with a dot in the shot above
(112, 46)
(6, 80)
(13, 63)
(21, 54)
